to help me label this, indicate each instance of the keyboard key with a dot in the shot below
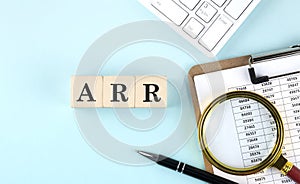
(206, 12)
(219, 2)
(171, 10)
(190, 4)
(216, 32)
(237, 7)
(187, 14)
(193, 28)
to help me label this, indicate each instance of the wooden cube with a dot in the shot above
(86, 91)
(151, 91)
(118, 91)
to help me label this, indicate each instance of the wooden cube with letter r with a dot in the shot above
(151, 91)
(118, 91)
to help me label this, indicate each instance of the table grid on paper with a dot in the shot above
(256, 138)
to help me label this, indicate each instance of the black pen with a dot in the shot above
(185, 169)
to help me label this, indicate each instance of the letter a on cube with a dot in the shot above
(86, 91)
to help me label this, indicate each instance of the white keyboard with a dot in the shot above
(207, 24)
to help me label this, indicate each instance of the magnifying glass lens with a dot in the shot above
(240, 133)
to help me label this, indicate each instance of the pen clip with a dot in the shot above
(291, 51)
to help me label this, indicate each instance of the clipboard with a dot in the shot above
(234, 63)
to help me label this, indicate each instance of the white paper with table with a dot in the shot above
(283, 92)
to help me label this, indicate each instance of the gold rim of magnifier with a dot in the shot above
(273, 156)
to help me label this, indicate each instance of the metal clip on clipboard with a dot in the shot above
(292, 51)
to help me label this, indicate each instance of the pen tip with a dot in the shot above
(144, 153)
(148, 155)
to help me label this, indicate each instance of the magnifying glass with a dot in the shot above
(242, 133)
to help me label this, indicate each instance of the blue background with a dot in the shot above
(41, 44)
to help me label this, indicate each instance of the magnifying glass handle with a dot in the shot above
(288, 169)
(294, 174)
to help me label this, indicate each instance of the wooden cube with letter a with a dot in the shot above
(118, 91)
(151, 91)
(86, 91)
